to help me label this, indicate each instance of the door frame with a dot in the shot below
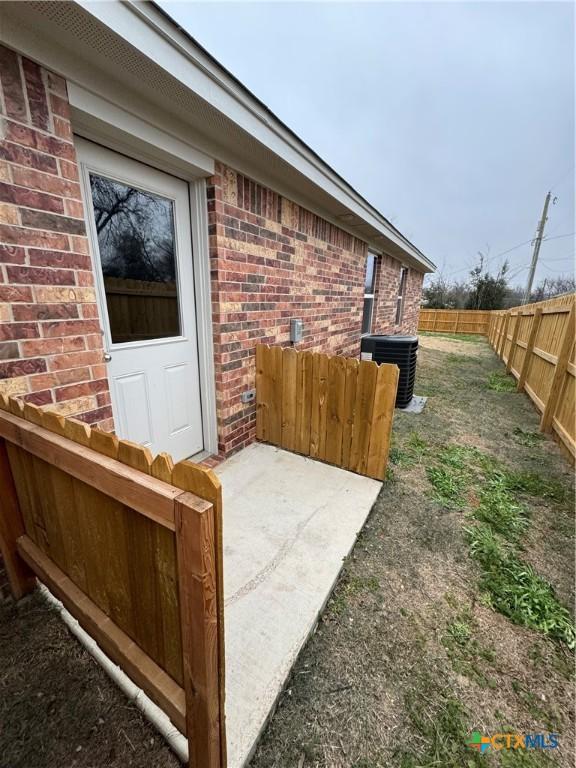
(105, 134)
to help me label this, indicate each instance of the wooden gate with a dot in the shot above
(133, 549)
(332, 408)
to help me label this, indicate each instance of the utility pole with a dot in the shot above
(537, 244)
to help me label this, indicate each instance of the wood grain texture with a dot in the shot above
(20, 577)
(116, 644)
(381, 424)
(205, 484)
(327, 407)
(335, 414)
(98, 524)
(542, 356)
(289, 398)
(196, 555)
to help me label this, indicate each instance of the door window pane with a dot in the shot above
(138, 258)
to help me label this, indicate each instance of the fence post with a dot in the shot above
(456, 323)
(512, 352)
(529, 349)
(198, 591)
(559, 372)
(20, 576)
(504, 336)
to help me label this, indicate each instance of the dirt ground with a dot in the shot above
(408, 659)
(58, 709)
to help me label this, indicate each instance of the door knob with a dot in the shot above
(107, 357)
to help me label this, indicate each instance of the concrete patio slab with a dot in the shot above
(288, 523)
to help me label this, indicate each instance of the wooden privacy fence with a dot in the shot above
(536, 342)
(454, 320)
(332, 408)
(133, 549)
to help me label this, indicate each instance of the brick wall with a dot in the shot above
(272, 260)
(50, 339)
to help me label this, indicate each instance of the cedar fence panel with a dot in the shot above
(133, 548)
(537, 344)
(454, 321)
(334, 409)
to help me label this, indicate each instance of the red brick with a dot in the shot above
(9, 350)
(69, 170)
(44, 397)
(16, 331)
(85, 278)
(70, 328)
(61, 259)
(12, 85)
(74, 208)
(81, 390)
(27, 197)
(59, 106)
(98, 416)
(12, 254)
(14, 293)
(35, 237)
(22, 367)
(36, 90)
(57, 84)
(90, 311)
(30, 158)
(73, 360)
(29, 137)
(52, 222)
(42, 381)
(73, 375)
(40, 275)
(55, 185)
(99, 371)
(62, 128)
(45, 311)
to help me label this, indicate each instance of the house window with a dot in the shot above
(401, 292)
(369, 283)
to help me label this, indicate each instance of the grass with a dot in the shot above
(458, 359)
(445, 735)
(464, 477)
(475, 338)
(509, 585)
(527, 437)
(501, 382)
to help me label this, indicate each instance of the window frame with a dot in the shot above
(399, 317)
(369, 296)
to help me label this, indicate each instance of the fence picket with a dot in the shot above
(365, 390)
(381, 426)
(288, 418)
(329, 409)
(335, 409)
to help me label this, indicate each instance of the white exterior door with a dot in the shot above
(139, 219)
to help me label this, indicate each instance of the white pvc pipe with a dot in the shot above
(176, 741)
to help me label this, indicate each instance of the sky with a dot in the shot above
(453, 119)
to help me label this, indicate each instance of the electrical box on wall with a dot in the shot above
(296, 330)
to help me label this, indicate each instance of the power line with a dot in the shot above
(509, 250)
